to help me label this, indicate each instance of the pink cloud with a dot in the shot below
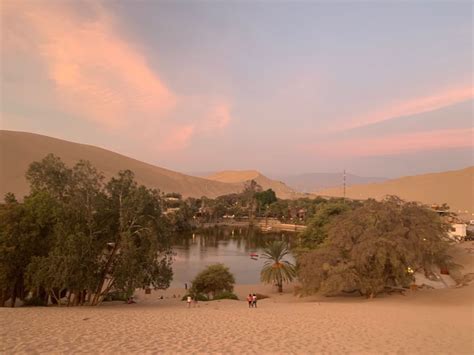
(396, 144)
(218, 117)
(90, 71)
(177, 138)
(411, 107)
(95, 73)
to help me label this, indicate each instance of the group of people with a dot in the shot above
(252, 300)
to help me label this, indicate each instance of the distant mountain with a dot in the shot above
(456, 188)
(19, 149)
(242, 176)
(313, 182)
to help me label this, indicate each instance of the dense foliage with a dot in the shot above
(276, 270)
(213, 280)
(75, 235)
(373, 247)
(317, 230)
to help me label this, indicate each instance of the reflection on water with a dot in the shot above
(232, 247)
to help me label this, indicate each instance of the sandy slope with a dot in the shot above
(456, 188)
(19, 149)
(242, 176)
(421, 323)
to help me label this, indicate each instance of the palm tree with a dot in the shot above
(276, 270)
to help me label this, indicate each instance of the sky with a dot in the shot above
(376, 88)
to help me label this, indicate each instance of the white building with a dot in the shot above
(458, 230)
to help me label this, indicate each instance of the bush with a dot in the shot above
(215, 279)
(261, 297)
(35, 302)
(226, 295)
(117, 296)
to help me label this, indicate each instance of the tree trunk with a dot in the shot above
(3, 297)
(280, 287)
(13, 297)
(98, 290)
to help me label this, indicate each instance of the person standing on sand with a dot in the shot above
(189, 299)
(250, 300)
(254, 300)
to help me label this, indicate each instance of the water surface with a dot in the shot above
(231, 247)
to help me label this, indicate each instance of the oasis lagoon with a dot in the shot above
(240, 249)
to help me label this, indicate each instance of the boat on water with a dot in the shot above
(253, 255)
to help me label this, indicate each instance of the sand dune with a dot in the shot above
(242, 176)
(19, 149)
(456, 188)
(421, 323)
(314, 182)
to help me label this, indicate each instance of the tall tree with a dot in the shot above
(317, 230)
(251, 188)
(374, 247)
(76, 234)
(276, 270)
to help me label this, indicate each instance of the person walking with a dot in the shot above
(189, 300)
(254, 300)
(250, 300)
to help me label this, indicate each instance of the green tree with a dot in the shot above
(265, 198)
(251, 188)
(317, 230)
(139, 250)
(374, 247)
(276, 270)
(26, 231)
(76, 235)
(213, 280)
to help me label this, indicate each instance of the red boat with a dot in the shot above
(254, 255)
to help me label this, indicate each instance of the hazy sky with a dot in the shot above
(377, 88)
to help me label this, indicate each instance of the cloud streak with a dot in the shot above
(411, 107)
(97, 75)
(395, 144)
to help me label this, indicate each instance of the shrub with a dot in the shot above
(117, 296)
(226, 295)
(35, 301)
(213, 280)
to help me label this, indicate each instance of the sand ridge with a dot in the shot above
(456, 188)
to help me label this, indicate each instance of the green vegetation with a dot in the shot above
(266, 198)
(316, 233)
(80, 237)
(225, 295)
(276, 270)
(374, 247)
(77, 239)
(214, 280)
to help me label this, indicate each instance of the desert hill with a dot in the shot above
(19, 149)
(243, 176)
(313, 182)
(456, 188)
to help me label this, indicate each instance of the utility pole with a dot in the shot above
(344, 184)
